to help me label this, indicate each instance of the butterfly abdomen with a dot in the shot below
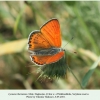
(43, 52)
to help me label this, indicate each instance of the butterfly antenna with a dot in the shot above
(68, 41)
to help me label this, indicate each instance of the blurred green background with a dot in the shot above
(80, 20)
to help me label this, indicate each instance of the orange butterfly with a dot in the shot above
(45, 44)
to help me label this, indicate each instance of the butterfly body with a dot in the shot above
(43, 52)
(45, 44)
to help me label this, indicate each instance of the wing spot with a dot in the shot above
(29, 41)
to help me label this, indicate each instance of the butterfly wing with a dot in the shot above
(42, 60)
(37, 41)
(51, 31)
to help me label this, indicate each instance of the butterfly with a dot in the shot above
(44, 45)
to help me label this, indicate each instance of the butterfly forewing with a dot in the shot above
(37, 41)
(51, 31)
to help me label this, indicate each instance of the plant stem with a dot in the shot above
(75, 77)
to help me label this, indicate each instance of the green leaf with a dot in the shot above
(70, 3)
(89, 73)
(18, 19)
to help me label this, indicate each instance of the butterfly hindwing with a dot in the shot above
(42, 60)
